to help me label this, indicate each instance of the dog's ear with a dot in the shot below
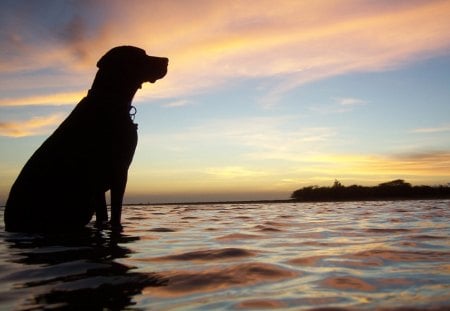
(121, 56)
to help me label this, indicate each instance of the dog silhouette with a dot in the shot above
(64, 182)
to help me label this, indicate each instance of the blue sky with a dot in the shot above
(258, 101)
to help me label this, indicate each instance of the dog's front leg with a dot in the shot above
(117, 191)
(101, 211)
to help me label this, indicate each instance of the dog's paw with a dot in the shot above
(117, 227)
(103, 224)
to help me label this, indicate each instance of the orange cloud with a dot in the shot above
(34, 126)
(234, 172)
(297, 41)
(57, 99)
(282, 39)
(418, 168)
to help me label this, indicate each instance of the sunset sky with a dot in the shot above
(261, 97)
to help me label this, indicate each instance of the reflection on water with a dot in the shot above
(76, 271)
(362, 255)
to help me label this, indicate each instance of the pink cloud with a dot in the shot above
(213, 43)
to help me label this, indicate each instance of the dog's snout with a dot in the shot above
(157, 68)
(160, 60)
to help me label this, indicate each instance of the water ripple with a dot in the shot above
(293, 256)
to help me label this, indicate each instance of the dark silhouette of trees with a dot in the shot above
(392, 190)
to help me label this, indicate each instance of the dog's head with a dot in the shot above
(133, 63)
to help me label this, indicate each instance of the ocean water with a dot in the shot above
(290, 256)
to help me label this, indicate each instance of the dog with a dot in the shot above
(64, 182)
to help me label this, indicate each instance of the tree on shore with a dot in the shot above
(395, 189)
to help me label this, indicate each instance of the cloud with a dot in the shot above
(338, 105)
(57, 99)
(31, 127)
(295, 42)
(232, 172)
(278, 140)
(177, 103)
(428, 130)
(418, 165)
(414, 165)
(349, 101)
(265, 133)
(50, 34)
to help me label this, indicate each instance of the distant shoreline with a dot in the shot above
(286, 201)
(216, 202)
(283, 201)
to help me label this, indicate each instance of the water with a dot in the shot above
(356, 255)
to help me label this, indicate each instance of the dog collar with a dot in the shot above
(132, 112)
